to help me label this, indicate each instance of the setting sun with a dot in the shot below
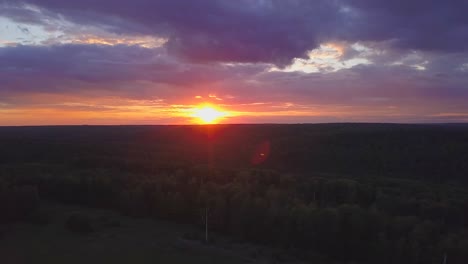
(208, 114)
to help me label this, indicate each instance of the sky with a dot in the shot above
(250, 61)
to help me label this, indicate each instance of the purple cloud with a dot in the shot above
(272, 31)
(241, 31)
(103, 64)
(416, 25)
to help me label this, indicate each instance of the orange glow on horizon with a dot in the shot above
(207, 114)
(93, 110)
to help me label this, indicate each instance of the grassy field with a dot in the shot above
(135, 241)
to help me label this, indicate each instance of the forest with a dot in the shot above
(327, 193)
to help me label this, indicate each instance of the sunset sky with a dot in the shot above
(243, 61)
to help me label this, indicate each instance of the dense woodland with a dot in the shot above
(335, 193)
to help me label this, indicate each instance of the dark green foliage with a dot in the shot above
(346, 193)
(428, 152)
(362, 219)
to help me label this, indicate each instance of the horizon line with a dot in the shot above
(240, 124)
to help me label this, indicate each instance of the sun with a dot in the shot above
(208, 114)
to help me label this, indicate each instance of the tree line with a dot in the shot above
(365, 220)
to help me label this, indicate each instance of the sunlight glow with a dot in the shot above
(207, 114)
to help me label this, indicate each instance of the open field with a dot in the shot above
(135, 240)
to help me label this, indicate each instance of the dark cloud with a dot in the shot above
(137, 72)
(25, 68)
(265, 30)
(363, 85)
(416, 24)
(235, 31)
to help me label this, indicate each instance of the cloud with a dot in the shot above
(433, 25)
(119, 67)
(103, 63)
(221, 31)
(135, 73)
(273, 31)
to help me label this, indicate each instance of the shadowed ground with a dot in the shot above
(135, 241)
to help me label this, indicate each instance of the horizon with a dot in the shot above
(241, 124)
(218, 62)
